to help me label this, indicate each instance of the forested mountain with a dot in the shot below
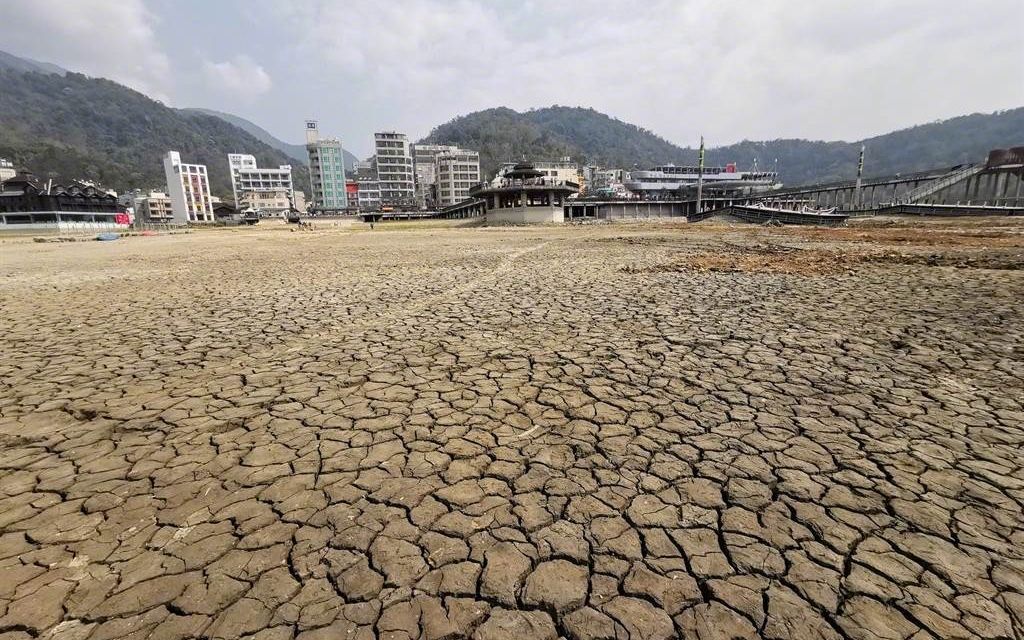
(295, 151)
(92, 128)
(586, 135)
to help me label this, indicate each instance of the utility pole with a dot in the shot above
(860, 173)
(700, 173)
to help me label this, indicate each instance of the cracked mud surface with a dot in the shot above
(523, 434)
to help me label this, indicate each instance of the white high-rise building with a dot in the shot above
(268, 190)
(189, 189)
(457, 171)
(394, 169)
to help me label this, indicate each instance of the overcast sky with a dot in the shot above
(730, 69)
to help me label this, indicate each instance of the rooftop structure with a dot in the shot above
(524, 195)
(563, 170)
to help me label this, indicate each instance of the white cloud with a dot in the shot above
(730, 70)
(114, 39)
(240, 76)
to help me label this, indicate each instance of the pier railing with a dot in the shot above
(927, 189)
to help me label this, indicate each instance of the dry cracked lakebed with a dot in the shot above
(527, 434)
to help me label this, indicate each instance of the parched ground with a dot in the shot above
(623, 431)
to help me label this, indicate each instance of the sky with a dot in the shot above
(726, 69)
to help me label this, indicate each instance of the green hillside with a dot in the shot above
(54, 121)
(81, 127)
(586, 135)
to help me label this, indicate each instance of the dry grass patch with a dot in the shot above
(776, 259)
(952, 233)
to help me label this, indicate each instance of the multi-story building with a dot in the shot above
(6, 169)
(394, 169)
(603, 178)
(269, 191)
(154, 207)
(457, 171)
(27, 203)
(367, 187)
(562, 171)
(425, 168)
(326, 170)
(189, 189)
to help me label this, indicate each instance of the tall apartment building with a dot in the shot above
(425, 168)
(368, 188)
(394, 169)
(268, 190)
(326, 170)
(457, 171)
(189, 189)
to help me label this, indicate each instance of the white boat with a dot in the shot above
(671, 178)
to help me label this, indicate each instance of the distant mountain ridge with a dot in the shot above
(295, 151)
(12, 62)
(501, 134)
(53, 120)
(80, 127)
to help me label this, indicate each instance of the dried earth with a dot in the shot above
(588, 432)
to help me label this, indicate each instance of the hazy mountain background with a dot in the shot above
(53, 120)
(8, 61)
(586, 135)
(295, 151)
